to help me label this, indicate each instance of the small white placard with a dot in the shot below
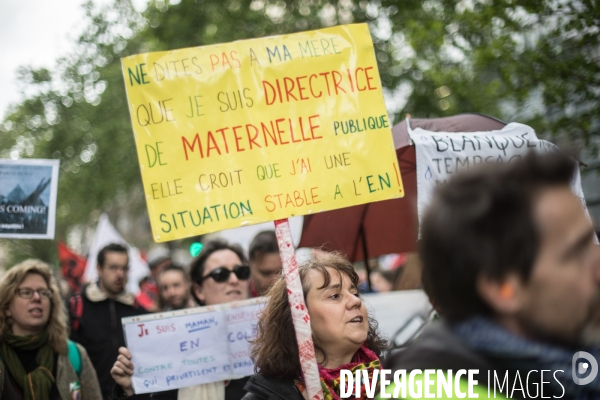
(192, 346)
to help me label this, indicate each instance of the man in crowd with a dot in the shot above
(512, 264)
(95, 312)
(265, 262)
(148, 296)
(174, 287)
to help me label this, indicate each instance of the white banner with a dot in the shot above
(442, 154)
(107, 234)
(192, 346)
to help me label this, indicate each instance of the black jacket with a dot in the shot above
(262, 388)
(439, 348)
(100, 332)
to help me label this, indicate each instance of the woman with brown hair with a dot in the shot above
(343, 334)
(36, 360)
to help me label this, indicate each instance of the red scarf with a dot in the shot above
(364, 359)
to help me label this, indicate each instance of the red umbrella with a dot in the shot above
(390, 226)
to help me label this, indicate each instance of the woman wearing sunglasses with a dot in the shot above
(220, 275)
(343, 334)
(36, 359)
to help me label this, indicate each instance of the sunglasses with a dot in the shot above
(221, 274)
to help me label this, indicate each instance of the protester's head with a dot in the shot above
(339, 321)
(174, 288)
(383, 281)
(144, 282)
(265, 261)
(158, 262)
(511, 242)
(30, 304)
(220, 273)
(113, 267)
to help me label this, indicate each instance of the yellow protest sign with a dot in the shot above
(240, 133)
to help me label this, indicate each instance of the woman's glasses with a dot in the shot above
(221, 274)
(26, 293)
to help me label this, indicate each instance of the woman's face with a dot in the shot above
(212, 292)
(29, 316)
(338, 318)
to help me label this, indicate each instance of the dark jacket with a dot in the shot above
(439, 348)
(262, 388)
(99, 329)
(233, 391)
(65, 377)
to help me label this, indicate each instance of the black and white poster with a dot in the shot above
(28, 198)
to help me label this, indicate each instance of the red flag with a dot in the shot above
(72, 266)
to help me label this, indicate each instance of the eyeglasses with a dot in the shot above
(221, 274)
(26, 293)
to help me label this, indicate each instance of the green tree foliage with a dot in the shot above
(536, 62)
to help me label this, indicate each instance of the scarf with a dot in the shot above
(524, 355)
(364, 359)
(37, 384)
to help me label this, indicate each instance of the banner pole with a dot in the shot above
(300, 316)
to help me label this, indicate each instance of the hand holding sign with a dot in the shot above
(122, 371)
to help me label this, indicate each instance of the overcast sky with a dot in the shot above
(33, 32)
(36, 32)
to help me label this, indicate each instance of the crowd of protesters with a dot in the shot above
(509, 261)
